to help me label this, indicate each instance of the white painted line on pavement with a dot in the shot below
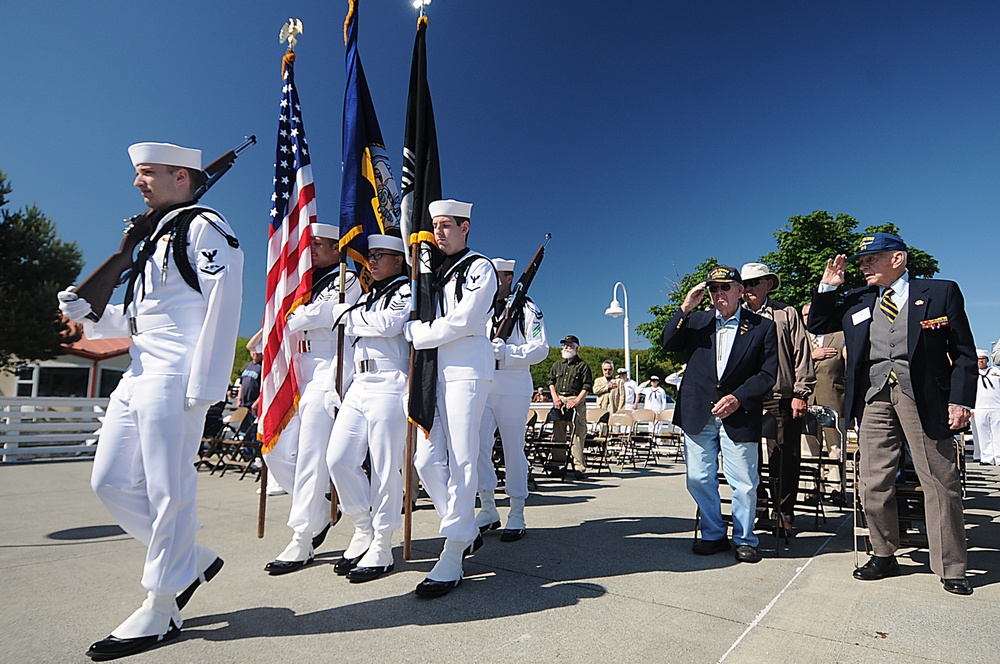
(766, 609)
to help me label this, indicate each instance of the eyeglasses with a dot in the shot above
(715, 288)
(751, 283)
(377, 255)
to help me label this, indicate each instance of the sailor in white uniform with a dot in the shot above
(298, 459)
(372, 419)
(182, 312)
(986, 414)
(654, 396)
(446, 460)
(507, 408)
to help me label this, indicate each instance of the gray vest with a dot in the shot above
(888, 351)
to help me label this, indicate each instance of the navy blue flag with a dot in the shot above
(369, 197)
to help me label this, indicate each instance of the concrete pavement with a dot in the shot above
(606, 573)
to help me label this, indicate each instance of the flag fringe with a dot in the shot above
(350, 15)
(422, 236)
(288, 59)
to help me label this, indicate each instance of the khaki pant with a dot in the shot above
(579, 433)
(887, 420)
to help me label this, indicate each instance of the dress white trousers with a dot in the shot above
(144, 474)
(986, 434)
(509, 413)
(447, 460)
(298, 462)
(372, 419)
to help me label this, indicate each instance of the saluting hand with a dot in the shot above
(693, 298)
(835, 270)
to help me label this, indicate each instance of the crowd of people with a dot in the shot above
(896, 356)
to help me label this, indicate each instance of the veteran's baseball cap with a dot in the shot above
(723, 275)
(875, 243)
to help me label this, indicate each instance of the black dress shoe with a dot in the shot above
(512, 535)
(877, 567)
(430, 589)
(343, 566)
(957, 586)
(185, 595)
(362, 574)
(490, 526)
(747, 554)
(320, 537)
(708, 547)
(113, 647)
(279, 567)
(475, 546)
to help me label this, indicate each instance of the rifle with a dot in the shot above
(515, 301)
(98, 287)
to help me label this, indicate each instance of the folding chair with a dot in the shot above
(619, 428)
(640, 438)
(666, 434)
(595, 445)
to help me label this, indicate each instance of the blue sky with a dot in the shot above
(645, 136)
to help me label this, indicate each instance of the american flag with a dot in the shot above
(289, 276)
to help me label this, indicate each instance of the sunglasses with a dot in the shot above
(715, 288)
(752, 283)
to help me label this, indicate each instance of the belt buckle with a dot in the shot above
(304, 346)
(133, 327)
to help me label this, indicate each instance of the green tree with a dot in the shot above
(34, 266)
(807, 241)
(664, 312)
(648, 365)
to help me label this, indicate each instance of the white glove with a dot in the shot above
(338, 311)
(296, 321)
(408, 330)
(332, 403)
(500, 351)
(73, 306)
(191, 403)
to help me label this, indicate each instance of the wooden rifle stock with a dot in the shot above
(98, 287)
(515, 301)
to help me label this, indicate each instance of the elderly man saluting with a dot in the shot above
(911, 375)
(732, 363)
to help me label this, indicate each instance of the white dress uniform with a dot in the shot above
(373, 419)
(655, 398)
(183, 343)
(507, 409)
(986, 416)
(298, 459)
(447, 460)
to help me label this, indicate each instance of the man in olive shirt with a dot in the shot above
(570, 379)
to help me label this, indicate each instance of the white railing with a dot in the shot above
(36, 428)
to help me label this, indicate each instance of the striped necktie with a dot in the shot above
(889, 308)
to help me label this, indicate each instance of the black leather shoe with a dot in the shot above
(957, 586)
(490, 526)
(877, 567)
(747, 554)
(428, 588)
(279, 567)
(708, 547)
(343, 566)
(320, 537)
(512, 535)
(362, 574)
(185, 595)
(475, 546)
(113, 648)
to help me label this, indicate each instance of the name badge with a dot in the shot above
(859, 317)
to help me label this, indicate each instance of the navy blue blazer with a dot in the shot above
(750, 373)
(942, 354)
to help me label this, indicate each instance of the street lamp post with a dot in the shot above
(615, 310)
